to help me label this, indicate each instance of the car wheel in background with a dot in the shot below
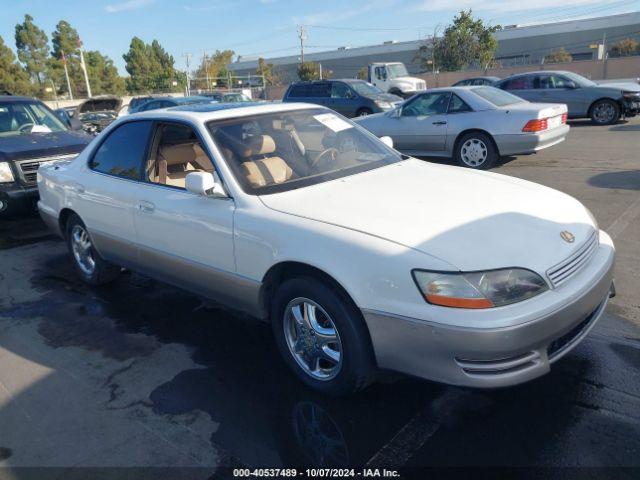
(363, 112)
(475, 150)
(605, 112)
(321, 336)
(92, 268)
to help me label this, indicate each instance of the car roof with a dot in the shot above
(220, 111)
(16, 98)
(536, 72)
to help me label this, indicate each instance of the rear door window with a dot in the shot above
(123, 152)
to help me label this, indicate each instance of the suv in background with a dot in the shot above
(603, 104)
(351, 98)
(30, 135)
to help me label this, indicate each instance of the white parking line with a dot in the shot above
(622, 222)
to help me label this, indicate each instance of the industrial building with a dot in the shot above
(517, 45)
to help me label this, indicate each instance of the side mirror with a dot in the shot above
(388, 141)
(205, 184)
(396, 112)
(572, 85)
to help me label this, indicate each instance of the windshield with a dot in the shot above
(27, 117)
(579, 79)
(282, 151)
(365, 88)
(397, 70)
(498, 97)
(236, 97)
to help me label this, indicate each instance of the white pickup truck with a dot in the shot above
(394, 78)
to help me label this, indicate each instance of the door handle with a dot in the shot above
(440, 123)
(146, 207)
(77, 188)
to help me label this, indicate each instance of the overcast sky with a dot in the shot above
(268, 27)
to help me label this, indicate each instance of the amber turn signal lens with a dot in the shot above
(459, 302)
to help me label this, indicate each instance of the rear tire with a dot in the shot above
(605, 112)
(476, 150)
(89, 265)
(309, 317)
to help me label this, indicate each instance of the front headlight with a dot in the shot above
(493, 288)
(631, 96)
(384, 105)
(6, 175)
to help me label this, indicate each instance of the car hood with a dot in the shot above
(35, 145)
(472, 220)
(100, 104)
(626, 86)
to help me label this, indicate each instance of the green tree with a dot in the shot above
(467, 42)
(13, 77)
(31, 43)
(66, 47)
(103, 74)
(150, 68)
(558, 56)
(267, 70)
(308, 71)
(214, 67)
(624, 48)
(363, 73)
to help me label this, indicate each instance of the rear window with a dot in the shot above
(311, 90)
(496, 96)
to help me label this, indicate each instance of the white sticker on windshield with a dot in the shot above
(40, 129)
(329, 120)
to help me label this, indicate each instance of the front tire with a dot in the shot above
(321, 336)
(89, 265)
(605, 112)
(363, 112)
(475, 150)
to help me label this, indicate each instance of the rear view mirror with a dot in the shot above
(388, 141)
(205, 184)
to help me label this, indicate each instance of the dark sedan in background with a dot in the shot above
(477, 82)
(604, 104)
(351, 98)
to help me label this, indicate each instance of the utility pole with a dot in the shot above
(302, 35)
(604, 55)
(188, 60)
(66, 74)
(320, 65)
(84, 69)
(206, 68)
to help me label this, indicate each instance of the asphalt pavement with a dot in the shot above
(142, 374)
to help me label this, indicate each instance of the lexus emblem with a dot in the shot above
(567, 236)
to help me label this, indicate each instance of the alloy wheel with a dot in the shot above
(604, 112)
(474, 152)
(313, 339)
(82, 250)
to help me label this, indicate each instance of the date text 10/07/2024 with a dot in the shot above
(315, 473)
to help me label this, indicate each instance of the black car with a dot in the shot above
(477, 81)
(30, 134)
(351, 98)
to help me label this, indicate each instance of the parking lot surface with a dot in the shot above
(140, 374)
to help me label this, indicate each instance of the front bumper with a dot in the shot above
(631, 108)
(493, 357)
(523, 143)
(17, 198)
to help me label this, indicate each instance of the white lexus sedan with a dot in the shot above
(360, 257)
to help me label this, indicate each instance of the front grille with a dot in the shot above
(499, 366)
(561, 272)
(28, 169)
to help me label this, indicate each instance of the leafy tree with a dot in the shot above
(267, 70)
(103, 74)
(308, 71)
(13, 77)
(31, 43)
(466, 42)
(624, 48)
(150, 68)
(214, 67)
(558, 56)
(363, 73)
(66, 47)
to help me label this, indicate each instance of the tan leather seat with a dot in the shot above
(176, 161)
(268, 170)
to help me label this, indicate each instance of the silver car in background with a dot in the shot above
(473, 125)
(603, 103)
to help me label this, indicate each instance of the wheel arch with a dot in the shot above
(284, 270)
(63, 218)
(473, 130)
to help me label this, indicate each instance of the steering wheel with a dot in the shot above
(26, 127)
(330, 150)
